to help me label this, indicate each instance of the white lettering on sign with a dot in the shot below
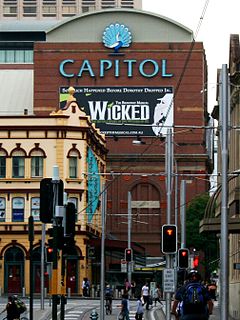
(169, 280)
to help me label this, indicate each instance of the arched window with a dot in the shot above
(37, 157)
(13, 270)
(3, 155)
(18, 163)
(73, 157)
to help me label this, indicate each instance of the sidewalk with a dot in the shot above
(152, 314)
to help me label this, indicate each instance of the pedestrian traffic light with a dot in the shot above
(183, 256)
(128, 254)
(47, 194)
(169, 238)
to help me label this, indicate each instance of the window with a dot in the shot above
(73, 156)
(29, 8)
(2, 209)
(18, 164)
(73, 167)
(37, 156)
(37, 164)
(18, 209)
(10, 8)
(16, 56)
(2, 164)
(35, 209)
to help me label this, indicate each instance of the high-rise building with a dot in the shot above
(58, 9)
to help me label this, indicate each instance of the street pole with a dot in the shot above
(55, 181)
(169, 162)
(42, 264)
(224, 250)
(183, 213)
(102, 292)
(31, 239)
(129, 265)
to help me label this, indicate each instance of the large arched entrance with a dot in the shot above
(13, 270)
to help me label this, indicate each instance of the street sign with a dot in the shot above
(123, 265)
(169, 280)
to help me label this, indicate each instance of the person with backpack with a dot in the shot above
(196, 304)
(12, 310)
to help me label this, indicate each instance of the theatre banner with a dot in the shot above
(126, 111)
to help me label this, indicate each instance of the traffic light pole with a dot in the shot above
(129, 265)
(31, 239)
(55, 181)
(169, 165)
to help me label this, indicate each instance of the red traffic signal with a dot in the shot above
(183, 257)
(128, 254)
(169, 238)
(195, 261)
(49, 254)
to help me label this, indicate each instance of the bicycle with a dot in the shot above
(108, 307)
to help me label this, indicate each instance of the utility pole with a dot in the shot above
(102, 292)
(224, 249)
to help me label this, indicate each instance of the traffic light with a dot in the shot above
(59, 236)
(70, 220)
(47, 194)
(128, 254)
(169, 238)
(195, 261)
(49, 254)
(183, 255)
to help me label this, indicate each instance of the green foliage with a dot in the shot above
(206, 242)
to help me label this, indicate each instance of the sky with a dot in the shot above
(220, 19)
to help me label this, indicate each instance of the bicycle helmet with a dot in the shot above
(194, 275)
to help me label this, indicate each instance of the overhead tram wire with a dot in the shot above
(171, 103)
(186, 61)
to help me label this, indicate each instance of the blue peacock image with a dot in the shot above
(116, 36)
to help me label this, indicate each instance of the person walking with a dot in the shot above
(12, 310)
(139, 310)
(157, 295)
(124, 307)
(86, 287)
(196, 304)
(145, 295)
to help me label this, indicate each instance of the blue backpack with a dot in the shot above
(194, 299)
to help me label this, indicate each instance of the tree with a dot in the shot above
(206, 242)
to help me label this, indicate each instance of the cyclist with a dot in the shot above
(196, 303)
(108, 298)
(11, 308)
